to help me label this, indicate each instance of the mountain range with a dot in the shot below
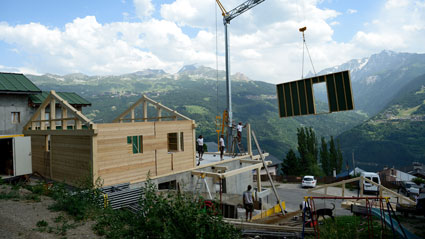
(379, 82)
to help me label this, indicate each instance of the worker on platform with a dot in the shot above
(239, 128)
(248, 202)
(200, 142)
(221, 147)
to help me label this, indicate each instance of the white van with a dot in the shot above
(368, 187)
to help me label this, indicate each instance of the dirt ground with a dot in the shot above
(19, 219)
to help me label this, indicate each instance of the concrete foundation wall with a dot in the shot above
(14, 103)
(234, 185)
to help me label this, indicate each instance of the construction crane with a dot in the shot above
(227, 17)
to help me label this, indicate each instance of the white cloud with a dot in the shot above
(265, 42)
(144, 8)
(391, 4)
(351, 11)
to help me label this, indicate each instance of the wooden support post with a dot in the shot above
(64, 123)
(145, 110)
(179, 147)
(326, 191)
(95, 169)
(361, 186)
(159, 112)
(268, 173)
(259, 180)
(343, 189)
(132, 116)
(52, 114)
(77, 124)
(248, 139)
(43, 117)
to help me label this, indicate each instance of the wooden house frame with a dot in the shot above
(72, 148)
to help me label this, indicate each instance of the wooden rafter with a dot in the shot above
(52, 100)
(144, 102)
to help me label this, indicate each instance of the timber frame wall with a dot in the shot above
(73, 149)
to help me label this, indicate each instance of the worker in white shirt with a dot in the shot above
(200, 142)
(248, 202)
(239, 128)
(221, 147)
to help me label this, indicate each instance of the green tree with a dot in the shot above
(308, 150)
(290, 165)
(324, 157)
(333, 155)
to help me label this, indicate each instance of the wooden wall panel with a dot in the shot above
(117, 163)
(40, 158)
(71, 158)
(115, 158)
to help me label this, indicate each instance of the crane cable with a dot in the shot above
(302, 30)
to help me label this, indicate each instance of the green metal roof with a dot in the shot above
(71, 97)
(17, 83)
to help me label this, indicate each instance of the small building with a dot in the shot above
(72, 148)
(19, 99)
(395, 175)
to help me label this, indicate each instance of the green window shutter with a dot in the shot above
(140, 144)
(128, 139)
(135, 145)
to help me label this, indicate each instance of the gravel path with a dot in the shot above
(19, 217)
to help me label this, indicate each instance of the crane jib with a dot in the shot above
(241, 9)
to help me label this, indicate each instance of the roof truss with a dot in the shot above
(39, 122)
(129, 114)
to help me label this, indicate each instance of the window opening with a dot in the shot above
(172, 142)
(320, 100)
(16, 117)
(171, 185)
(136, 142)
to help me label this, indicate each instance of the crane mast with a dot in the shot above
(227, 17)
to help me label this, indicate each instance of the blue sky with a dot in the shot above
(100, 37)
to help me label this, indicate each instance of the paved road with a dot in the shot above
(293, 195)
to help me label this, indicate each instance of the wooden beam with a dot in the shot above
(145, 110)
(64, 122)
(158, 113)
(127, 111)
(253, 161)
(42, 118)
(42, 107)
(222, 168)
(207, 174)
(241, 170)
(52, 117)
(76, 113)
(248, 139)
(84, 132)
(268, 173)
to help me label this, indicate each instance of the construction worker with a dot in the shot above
(200, 142)
(239, 128)
(221, 147)
(248, 202)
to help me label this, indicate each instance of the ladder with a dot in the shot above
(198, 186)
(238, 144)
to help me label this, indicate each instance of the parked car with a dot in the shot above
(368, 187)
(409, 188)
(308, 181)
